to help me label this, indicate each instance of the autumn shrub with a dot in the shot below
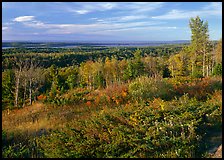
(178, 80)
(161, 129)
(113, 94)
(199, 88)
(41, 97)
(74, 97)
(149, 88)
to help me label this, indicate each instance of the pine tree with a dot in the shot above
(199, 45)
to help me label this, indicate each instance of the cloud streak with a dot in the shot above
(4, 28)
(213, 9)
(88, 7)
(126, 7)
(97, 27)
(23, 18)
(82, 11)
(119, 19)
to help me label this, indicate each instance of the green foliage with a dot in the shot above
(134, 68)
(129, 72)
(15, 151)
(197, 73)
(149, 88)
(25, 149)
(161, 129)
(217, 69)
(199, 30)
(71, 81)
(166, 72)
(100, 81)
(200, 46)
(8, 81)
(128, 116)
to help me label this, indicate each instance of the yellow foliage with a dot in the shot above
(124, 94)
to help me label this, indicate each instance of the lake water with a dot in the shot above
(89, 44)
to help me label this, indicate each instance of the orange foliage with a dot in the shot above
(124, 94)
(115, 93)
(97, 100)
(156, 103)
(108, 99)
(41, 97)
(88, 103)
(198, 88)
(118, 101)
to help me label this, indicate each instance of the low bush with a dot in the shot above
(161, 129)
(149, 88)
(199, 89)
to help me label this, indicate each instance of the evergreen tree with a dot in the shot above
(199, 45)
(8, 83)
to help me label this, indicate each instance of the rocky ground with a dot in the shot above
(218, 153)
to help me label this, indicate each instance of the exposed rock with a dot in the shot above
(218, 153)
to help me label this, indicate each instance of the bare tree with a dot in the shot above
(28, 77)
(18, 72)
(35, 78)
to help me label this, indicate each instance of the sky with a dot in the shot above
(107, 21)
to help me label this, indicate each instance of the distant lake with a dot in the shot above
(6, 45)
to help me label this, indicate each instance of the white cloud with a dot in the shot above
(8, 23)
(213, 5)
(4, 28)
(99, 26)
(213, 9)
(129, 18)
(23, 18)
(82, 11)
(108, 6)
(174, 14)
(141, 7)
(120, 19)
(88, 7)
(128, 7)
(133, 29)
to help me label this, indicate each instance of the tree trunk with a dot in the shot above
(172, 71)
(203, 69)
(17, 91)
(207, 71)
(213, 62)
(24, 95)
(17, 87)
(30, 88)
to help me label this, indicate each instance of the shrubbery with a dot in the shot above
(199, 89)
(217, 69)
(149, 88)
(171, 129)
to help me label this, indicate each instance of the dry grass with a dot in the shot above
(40, 117)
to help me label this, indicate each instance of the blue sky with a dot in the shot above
(107, 21)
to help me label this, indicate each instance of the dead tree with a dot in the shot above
(18, 71)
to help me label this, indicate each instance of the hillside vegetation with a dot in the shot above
(151, 102)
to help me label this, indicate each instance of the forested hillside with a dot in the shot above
(141, 102)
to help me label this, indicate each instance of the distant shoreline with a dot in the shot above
(6, 45)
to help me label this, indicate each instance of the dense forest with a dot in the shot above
(142, 102)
